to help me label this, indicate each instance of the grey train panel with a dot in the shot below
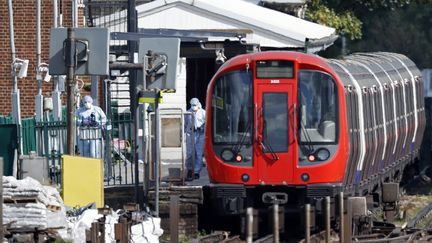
(386, 122)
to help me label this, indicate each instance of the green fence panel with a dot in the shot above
(6, 120)
(8, 144)
(28, 135)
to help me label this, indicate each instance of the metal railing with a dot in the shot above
(121, 169)
(48, 139)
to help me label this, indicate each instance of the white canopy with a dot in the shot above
(269, 28)
(266, 27)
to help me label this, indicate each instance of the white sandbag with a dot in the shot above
(147, 231)
(28, 224)
(53, 196)
(57, 219)
(30, 215)
(9, 182)
(29, 188)
(84, 223)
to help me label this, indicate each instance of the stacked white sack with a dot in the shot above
(29, 188)
(29, 216)
(48, 204)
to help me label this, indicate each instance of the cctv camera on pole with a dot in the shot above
(22, 65)
(39, 99)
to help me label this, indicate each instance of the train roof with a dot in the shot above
(299, 57)
(374, 69)
(365, 69)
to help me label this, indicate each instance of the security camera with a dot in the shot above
(159, 65)
(23, 68)
(44, 68)
(220, 60)
(47, 77)
(220, 57)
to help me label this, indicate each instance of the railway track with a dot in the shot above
(421, 217)
(416, 230)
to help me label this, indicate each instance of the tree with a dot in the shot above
(407, 30)
(343, 14)
(344, 21)
(379, 25)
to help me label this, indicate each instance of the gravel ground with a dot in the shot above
(414, 198)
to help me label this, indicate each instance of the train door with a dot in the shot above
(275, 157)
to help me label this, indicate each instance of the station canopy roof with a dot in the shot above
(262, 26)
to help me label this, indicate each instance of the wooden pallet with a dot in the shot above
(21, 200)
(53, 208)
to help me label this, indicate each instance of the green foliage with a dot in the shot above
(402, 26)
(406, 30)
(383, 4)
(344, 15)
(345, 23)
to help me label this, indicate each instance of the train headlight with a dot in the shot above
(311, 157)
(322, 154)
(227, 155)
(305, 177)
(239, 158)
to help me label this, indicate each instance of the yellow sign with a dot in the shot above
(82, 181)
(219, 102)
(150, 97)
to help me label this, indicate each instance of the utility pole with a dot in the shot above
(16, 108)
(39, 96)
(70, 61)
(132, 27)
(56, 93)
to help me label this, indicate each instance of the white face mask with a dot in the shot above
(88, 105)
(195, 108)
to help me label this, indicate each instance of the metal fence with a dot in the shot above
(48, 139)
(121, 170)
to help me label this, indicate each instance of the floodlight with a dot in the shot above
(22, 65)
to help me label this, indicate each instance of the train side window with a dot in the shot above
(318, 107)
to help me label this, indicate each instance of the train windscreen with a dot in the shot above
(232, 116)
(318, 104)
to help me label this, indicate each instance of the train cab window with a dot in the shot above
(317, 107)
(275, 122)
(232, 116)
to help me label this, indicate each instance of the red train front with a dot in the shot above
(256, 105)
(291, 128)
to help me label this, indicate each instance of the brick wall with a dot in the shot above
(25, 46)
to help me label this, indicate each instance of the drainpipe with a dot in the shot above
(16, 109)
(55, 13)
(74, 13)
(39, 96)
(56, 93)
